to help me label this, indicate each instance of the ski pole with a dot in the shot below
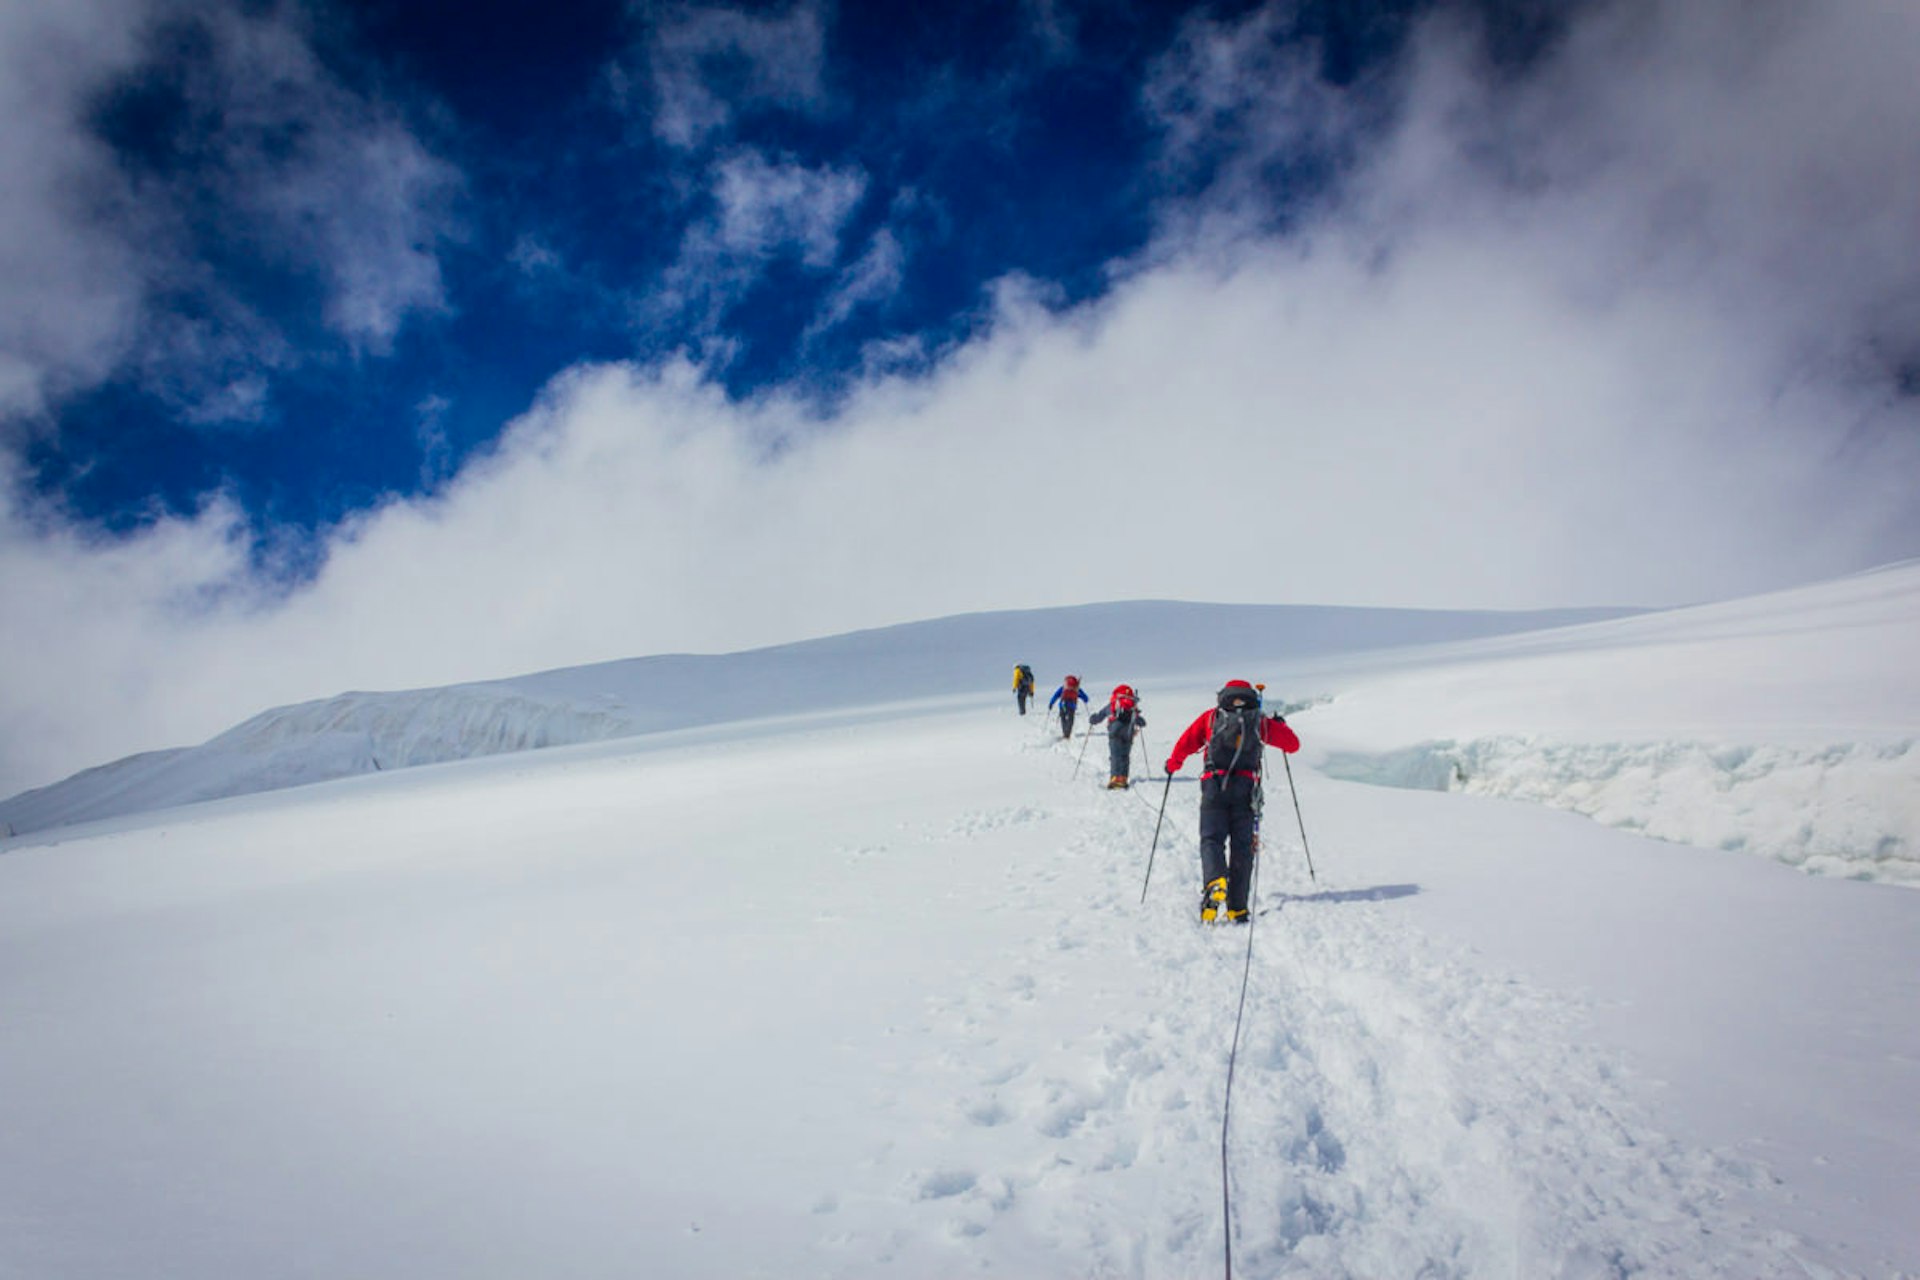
(1302, 821)
(1167, 791)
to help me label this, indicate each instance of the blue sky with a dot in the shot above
(385, 344)
(775, 189)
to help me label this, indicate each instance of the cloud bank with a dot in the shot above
(1633, 326)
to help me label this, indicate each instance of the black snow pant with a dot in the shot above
(1119, 751)
(1066, 718)
(1227, 816)
(1021, 696)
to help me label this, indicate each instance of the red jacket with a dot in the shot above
(1273, 731)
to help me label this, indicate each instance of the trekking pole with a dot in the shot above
(1302, 821)
(1156, 837)
(1085, 738)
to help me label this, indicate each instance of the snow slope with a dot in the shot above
(366, 732)
(1784, 725)
(875, 993)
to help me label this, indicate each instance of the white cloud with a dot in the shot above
(1236, 97)
(436, 448)
(100, 644)
(766, 205)
(1478, 379)
(379, 250)
(706, 63)
(762, 208)
(334, 180)
(241, 400)
(320, 180)
(533, 257)
(870, 281)
(69, 297)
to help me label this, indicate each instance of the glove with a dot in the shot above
(1172, 767)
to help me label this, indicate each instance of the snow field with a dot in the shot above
(1757, 1015)
(1397, 1110)
(530, 1020)
(879, 998)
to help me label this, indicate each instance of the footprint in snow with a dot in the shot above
(946, 1184)
(980, 821)
(1315, 1146)
(987, 1114)
(1065, 1111)
(1004, 1075)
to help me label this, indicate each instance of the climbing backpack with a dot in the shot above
(1233, 740)
(1023, 676)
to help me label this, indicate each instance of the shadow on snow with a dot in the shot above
(1378, 893)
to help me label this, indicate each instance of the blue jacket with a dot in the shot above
(1081, 692)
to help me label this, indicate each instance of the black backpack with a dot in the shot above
(1233, 746)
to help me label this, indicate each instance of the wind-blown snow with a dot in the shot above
(875, 993)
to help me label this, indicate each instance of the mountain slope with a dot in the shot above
(883, 998)
(887, 992)
(365, 732)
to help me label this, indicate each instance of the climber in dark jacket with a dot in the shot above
(1122, 714)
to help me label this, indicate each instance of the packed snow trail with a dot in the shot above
(1397, 1111)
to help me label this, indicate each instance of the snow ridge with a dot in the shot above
(429, 726)
(339, 737)
(1844, 809)
(358, 733)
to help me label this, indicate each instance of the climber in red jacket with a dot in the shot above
(1232, 735)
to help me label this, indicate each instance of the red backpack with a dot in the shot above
(1122, 699)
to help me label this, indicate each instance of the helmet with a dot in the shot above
(1238, 693)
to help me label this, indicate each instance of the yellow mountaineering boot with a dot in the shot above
(1236, 915)
(1210, 904)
